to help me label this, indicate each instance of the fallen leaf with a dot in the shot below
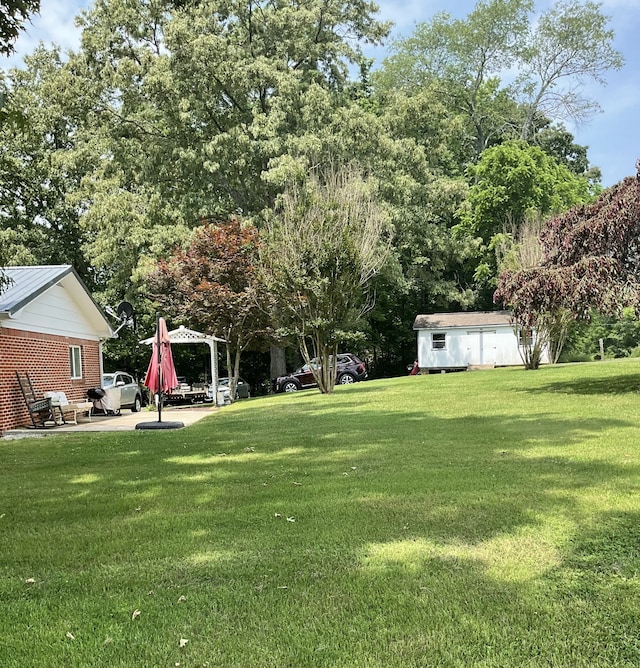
(70, 635)
(183, 642)
(283, 587)
(345, 473)
(353, 468)
(297, 483)
(30, 581)
(182, 599)
(291, 519)
(277, 515)
(136, 614)
(250, 449)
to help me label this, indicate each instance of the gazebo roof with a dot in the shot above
(185, 335)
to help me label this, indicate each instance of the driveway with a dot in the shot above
(126, 421)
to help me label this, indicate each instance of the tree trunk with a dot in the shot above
(278, 366)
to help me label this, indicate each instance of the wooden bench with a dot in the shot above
(65, 412)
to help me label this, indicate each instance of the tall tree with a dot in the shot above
(569, 47)
(510, 182)
(591, 258)
(193, 103)
(40, 170)
(326, 242)
(462, 61)
(213, 285)
(466, 60)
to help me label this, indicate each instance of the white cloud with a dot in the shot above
(55, 24)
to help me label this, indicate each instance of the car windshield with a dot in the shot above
(108, 379)
(223, 381)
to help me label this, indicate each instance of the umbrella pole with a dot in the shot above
(158, 345)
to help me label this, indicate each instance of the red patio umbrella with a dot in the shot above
(161, 374)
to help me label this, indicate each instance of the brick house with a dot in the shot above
(50, 327)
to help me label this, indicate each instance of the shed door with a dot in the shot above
(482, 348)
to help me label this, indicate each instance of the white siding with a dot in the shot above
(492, 345)
(56, 312)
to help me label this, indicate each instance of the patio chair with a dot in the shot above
(40, 410)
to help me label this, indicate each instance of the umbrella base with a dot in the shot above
(159, 425)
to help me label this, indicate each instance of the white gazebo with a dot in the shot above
(185, 335)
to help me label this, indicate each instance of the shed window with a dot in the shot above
(438, 341)
(525, 337)
(75, 361)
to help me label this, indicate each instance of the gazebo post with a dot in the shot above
(184, 335)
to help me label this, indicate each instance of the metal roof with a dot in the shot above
(463, 319)
(26, 284)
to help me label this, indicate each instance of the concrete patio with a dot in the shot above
(126, 421)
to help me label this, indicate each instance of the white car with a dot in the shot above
(243, 389)
(130, 394)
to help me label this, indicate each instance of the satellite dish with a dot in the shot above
(125, 310)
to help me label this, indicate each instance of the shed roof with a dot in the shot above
(462, 319)
(26, 284)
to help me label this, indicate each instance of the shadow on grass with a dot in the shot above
(623, 384)
(324, 538)
(466, 478)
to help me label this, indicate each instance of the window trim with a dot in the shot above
(442, 341)
(525, 337)
(75, 362)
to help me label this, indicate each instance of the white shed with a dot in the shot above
(453, 341)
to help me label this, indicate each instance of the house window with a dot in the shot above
(75, 361)
(525, 337)
(438, 341)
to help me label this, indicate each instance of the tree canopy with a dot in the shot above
(591, 258)
(13, 14)
(326, 241)
(172, 114)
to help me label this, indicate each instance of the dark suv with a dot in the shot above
(350, 369)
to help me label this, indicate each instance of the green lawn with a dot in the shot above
(472, 519)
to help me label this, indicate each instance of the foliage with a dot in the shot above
(175, 112)
(620, 336)
(40, 171)
(326, 241)
(509, 183)
(213, 285)
(556, 141)
(590, 259)
(466, 60)
(570, 42)
(460, 59)
(13, 14)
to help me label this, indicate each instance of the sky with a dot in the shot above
(613, 135)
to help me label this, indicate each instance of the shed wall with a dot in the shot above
(464, 347)
(46, 358)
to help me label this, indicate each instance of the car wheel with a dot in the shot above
(347, 379)
(137, 404)
(290, 386)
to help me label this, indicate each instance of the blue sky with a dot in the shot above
(613, 136)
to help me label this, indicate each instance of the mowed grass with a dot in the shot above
(473, 519)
